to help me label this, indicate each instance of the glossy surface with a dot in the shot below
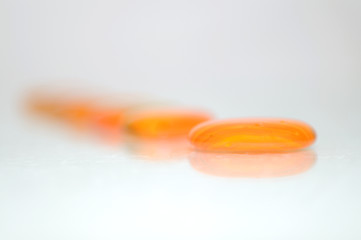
(266, 165)
(165, 123)
(252, 135)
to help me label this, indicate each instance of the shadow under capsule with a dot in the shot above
(262, 165)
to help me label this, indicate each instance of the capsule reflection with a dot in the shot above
(159, 149)
(267, 165)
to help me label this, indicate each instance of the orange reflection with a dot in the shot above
(266, 165)
(152, 149)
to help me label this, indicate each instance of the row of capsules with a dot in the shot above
(244, 147)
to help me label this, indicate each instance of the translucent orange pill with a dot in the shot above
(252, 135)
(165, 123)
(77, 111)
(265, 165)
(109, 118)
(44, 103)
(111, 113)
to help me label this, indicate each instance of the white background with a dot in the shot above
(297, 59)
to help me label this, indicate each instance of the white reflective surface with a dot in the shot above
(58, 183)
(294, 59)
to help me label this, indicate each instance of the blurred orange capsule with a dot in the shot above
(252, 135)
(42, 102)
(165, 123)
(61, 104)
(76, 111)
(265, 165)
(109, 118)
(111, 113)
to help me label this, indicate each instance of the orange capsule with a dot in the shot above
(264, 165)
(111, 113)
(77, 112)
(109, 119)
(252, 135)
(165, 123)
(44, 103)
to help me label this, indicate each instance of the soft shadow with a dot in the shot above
(265, 165)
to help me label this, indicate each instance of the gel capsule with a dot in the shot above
(252, 135)
(165, 123)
